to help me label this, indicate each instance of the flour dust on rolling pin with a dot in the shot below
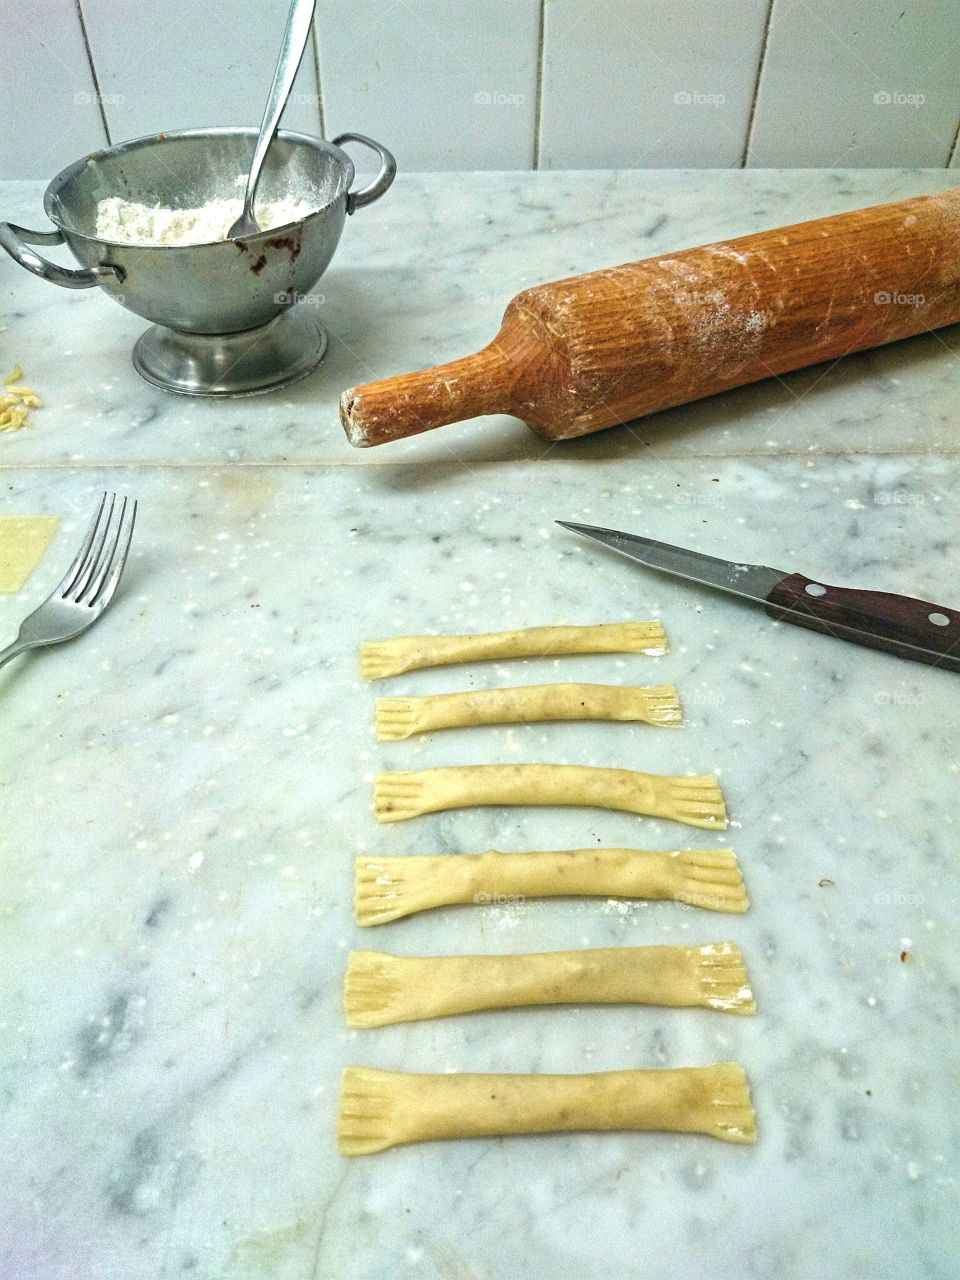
(591, 351)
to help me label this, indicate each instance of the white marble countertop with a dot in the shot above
(185, 787)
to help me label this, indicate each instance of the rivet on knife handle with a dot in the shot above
(896, 624)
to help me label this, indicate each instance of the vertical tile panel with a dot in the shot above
(180, 65)
(445, 84)
(648, 83)
(866, 82)
(50, 111)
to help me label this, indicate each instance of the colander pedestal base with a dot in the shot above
(232, 364)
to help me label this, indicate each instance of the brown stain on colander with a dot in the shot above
(292, 244)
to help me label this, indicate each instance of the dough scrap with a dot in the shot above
(390, 888)
(23, 541)
(380, 989)
(382, 658)
(382, 1109)
(696, 801)
(403, 717)
(16, 401)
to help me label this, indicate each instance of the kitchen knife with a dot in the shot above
(909, 628)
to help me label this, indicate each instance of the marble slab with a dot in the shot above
(183, 789)
(424, 275)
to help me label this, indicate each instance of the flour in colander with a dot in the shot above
(129, 222)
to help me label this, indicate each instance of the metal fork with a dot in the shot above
(88, 585)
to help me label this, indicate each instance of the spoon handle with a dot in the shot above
(288, 64)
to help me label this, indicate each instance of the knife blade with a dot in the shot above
(902, 625)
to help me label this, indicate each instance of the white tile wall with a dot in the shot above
(648, 83)
(179, 64)
(865, 82)
(444, 85)
(49, 113)
(475, 84)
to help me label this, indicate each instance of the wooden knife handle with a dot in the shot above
(895, 622)
(585, 353)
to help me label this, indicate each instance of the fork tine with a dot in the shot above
(92, 589)
(92, 562)
(104, 593)
(79, 559)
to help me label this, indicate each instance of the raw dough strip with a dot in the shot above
(380, 658)
(381, 1109)
(696, 801)
(381, 989)
(390, 888)
(403, 717)
(23, 542)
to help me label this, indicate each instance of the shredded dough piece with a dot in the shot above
(16, 401)
(23, 541)
(697, 801)
(381, 1109)
(403, 717)
(381, 989)
(390, 888)
(409, 653)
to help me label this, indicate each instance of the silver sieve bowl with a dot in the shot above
(223, 313)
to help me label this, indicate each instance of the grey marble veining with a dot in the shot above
(424, 275)
(173, 1032)
(183, 790)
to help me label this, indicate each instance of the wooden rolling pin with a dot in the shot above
(594, 350)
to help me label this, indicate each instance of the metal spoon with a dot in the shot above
(288, 64)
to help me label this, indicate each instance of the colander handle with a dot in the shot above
(15, 240)
(383, 180)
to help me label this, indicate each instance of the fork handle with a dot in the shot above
(11, 651)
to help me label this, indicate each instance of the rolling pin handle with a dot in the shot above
(416, 402)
